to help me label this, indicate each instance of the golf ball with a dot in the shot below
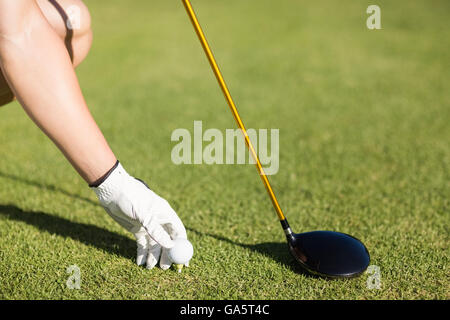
(181, 252)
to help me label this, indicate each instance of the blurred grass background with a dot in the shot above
(364, 149)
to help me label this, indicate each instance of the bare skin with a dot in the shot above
(77, 41)
(37, 58)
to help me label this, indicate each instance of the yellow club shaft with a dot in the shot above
(231, 104)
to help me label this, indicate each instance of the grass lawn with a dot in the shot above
(364, 149)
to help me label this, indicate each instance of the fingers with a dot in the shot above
(148, 250)
(166, 226)
(154, 253)
(142, 247)
(165, 262)
(175, 228)
(172, 223)
(162, 229)
(159, 235)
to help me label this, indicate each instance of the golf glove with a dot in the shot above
(138, 209)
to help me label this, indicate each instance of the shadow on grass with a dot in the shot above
(47, 187)
(274, 250)
(85, 233)
(120, 245)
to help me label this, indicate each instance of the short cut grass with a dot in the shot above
(364, 149)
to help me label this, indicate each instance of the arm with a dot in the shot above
(39, 71)
(45, 83)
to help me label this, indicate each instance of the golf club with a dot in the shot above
(324, 253)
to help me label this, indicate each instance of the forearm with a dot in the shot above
(40, 73)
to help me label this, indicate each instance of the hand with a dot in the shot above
(138, 209)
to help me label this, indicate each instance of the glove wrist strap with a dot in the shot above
(99, 181)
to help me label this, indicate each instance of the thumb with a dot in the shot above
(157, 233)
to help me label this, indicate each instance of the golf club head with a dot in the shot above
(329, 254)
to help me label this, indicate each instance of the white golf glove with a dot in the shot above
(138, 209)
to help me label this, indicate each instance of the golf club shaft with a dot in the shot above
(234, 111)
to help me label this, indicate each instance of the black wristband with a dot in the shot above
(98, 182)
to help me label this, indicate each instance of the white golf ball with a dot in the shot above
(181, 252)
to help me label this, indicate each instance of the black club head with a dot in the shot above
(329, 254)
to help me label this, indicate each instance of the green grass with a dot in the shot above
(364, 149)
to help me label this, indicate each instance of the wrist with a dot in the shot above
(111, 184)
(99, 181)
